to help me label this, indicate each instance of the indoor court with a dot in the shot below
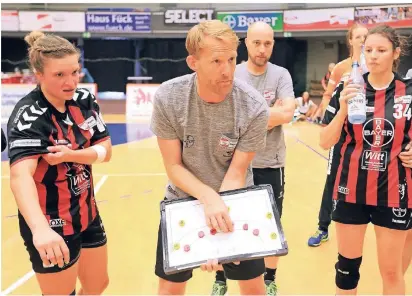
(129, 190)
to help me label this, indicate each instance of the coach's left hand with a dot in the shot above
(406, 156)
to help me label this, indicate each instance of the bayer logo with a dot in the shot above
(230, 20)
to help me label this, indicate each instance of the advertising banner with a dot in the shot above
(188, 17)
(9, 20)
(51, 21)
(12, 93)
(396, 16)
(318, 19)
(139, 100)
(240, 21)
(118, 21)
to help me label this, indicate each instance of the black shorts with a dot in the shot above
(93, 237)
(246, 270)
(358, 214)
(274, 177)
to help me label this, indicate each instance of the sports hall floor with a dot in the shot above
(129, 190)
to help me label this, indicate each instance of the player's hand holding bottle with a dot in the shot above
(216, 212)
(349, 91)
(51, 247)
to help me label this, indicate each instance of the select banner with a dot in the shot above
(318, 19)
(396, 16)
(240, 21)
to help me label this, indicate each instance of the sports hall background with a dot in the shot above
(122, 64)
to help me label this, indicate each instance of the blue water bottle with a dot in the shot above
(357, 105)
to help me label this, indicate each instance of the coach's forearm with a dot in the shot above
(279, 116)
(233, 180)
(330, 134)
(186, 181)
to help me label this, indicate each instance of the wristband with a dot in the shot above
(101, 153)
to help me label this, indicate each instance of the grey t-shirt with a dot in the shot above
(276, 83)
(209, 133)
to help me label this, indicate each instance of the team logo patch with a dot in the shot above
(378, 132)
(88, 124)
(227, 143)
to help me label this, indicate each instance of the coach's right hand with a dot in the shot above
(217, 213)
(51, 247)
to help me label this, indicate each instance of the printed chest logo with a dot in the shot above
(189, 141)
(78, 178)
(88, 124)
(269, 95)
(227, 143)
(376, 134)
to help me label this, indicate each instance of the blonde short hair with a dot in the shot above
(213, 28)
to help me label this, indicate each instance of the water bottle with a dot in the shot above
(357, 105)
(363, 61)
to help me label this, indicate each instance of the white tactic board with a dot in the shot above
(188, 242)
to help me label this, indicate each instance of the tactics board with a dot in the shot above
(188, 242)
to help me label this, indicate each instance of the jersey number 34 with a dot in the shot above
(402, 110)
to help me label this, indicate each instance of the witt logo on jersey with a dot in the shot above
(374, 160)
(78, 177)
(378, 132)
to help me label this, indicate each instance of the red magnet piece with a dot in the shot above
(256, 232)
(213, 231)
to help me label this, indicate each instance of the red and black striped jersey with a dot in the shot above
(370, 171)
(65, 191)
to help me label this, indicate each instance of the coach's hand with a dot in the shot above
(213, 265)
(217, 213)
(406, 156)
(51, 247)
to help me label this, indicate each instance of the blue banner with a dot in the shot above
(118, 21)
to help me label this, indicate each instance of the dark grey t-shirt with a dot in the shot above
(209, 133)
(276, 83)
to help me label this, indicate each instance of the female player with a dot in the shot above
(305, 106)
(55, 133)
(373, 182)
(355, 39)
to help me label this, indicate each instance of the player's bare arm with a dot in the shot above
(101, 152)
(216, 212)
(49, 244)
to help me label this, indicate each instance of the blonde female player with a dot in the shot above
(355, 39)
(55, 133)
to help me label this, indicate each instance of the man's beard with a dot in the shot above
(259, 62)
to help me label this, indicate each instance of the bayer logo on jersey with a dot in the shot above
(378, 132)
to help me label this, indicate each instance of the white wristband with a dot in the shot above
(101, 153)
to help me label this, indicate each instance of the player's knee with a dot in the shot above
(97, 287)
(347, 272)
